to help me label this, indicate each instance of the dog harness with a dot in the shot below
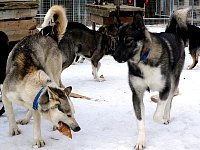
(35, 102)
(144, 56)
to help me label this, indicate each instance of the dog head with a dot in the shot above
(56, 106)
(130, 38)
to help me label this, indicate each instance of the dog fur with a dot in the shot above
(155, 62)
(82, 41)
(32, 72)
(194, 44)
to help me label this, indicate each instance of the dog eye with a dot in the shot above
(69, 115)
(128, 40)
(54, 107)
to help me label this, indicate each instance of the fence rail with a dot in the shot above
(76, 11)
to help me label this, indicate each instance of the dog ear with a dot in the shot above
(48, 98)
(44, 100)
(48, 30)
(116, 20)
(68, 90)
(51, 91)
(138, 22)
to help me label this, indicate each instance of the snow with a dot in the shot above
(107, 121)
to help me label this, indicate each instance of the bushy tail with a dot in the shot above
(178, 23)
(56, 20)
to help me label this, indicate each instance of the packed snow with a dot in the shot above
(107, 121)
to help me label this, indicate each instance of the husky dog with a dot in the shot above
(32, 80)
(155, 62)
(82, 41)
(194, 44)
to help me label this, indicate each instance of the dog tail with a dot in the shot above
(178, 23)
(56, 21)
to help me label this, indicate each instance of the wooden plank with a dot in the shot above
(17, 35)
(18, 25)
(17, 14)
(19, 1)
(105, 10)
(18, 5)
(108, 20)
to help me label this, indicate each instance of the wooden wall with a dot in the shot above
(17, 18)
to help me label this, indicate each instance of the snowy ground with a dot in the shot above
(107, 121)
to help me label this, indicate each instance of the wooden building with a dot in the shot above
(17, 18)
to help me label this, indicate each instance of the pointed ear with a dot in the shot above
(50, 91)
(68, 90)
(44, 100)
(116, 20)
(138, 22)
(48, 30)
(117, 23)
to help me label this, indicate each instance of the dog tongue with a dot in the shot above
(64, 129)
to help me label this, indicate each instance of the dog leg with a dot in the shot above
(13, 128)
(164, 95)
(139, 112)
(26, 119)
(155, 98)
(159, 113)
(37, 130)
(1, 87)
(167, 111)
(138, 105)
(95, 69)
(194, 63)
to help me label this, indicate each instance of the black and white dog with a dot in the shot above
(82, 41)
(155, 62)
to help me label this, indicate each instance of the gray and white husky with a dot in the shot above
(33, 80)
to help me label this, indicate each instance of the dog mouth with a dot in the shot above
(64, 129)
(121, 61)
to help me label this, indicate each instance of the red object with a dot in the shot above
(130, 1)
(146, 2)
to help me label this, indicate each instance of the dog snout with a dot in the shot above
(76, 129)
(117, 57)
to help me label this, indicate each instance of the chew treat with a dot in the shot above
(64, 129)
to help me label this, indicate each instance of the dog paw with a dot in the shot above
(139, 146)
(22, 121)
(15, 131)
(166, 122)
(160, 120)
(39, 143)
(189, 67)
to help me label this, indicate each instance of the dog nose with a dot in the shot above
(115, 55)
(77, 129)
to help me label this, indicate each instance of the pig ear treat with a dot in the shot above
(64, 129)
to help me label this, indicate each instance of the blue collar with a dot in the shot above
(35, 102)
(144, 56)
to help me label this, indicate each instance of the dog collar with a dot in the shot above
(144, 56)
(35, 102)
